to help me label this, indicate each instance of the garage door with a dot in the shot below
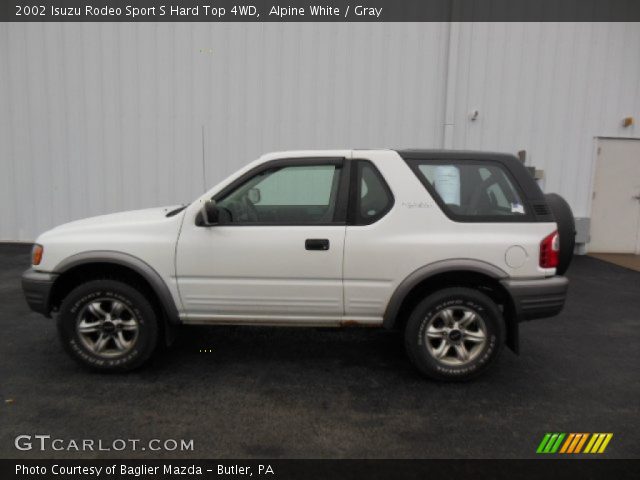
(615, 212)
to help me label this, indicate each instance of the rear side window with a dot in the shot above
(472, 191)
(373, 198)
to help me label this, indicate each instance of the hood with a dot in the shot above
(136, 218)
(149, 235)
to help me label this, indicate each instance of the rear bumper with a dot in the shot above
(37, 288)
(537, 298)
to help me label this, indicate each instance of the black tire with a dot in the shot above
(566, 229)
(138, 322)
(426, 315)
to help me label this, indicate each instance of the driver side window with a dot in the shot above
(289, 195)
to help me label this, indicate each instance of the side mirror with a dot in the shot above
(209, 214)
(254, 195)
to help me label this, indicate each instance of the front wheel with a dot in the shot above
(108, 325)
(454, 334)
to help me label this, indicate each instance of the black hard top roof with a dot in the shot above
(511, 162)
(433, 154)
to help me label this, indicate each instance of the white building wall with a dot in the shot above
(549, 89)
(96, 118)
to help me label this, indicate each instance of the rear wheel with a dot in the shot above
(108, 325)
(454, 334)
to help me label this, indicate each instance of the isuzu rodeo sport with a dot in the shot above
(454, 249)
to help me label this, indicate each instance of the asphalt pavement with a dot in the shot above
(248, 392)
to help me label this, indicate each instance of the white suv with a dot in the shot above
(453, 248)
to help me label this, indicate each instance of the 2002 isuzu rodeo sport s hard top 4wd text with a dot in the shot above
(452, 248)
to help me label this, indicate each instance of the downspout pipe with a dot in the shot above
(451, 76)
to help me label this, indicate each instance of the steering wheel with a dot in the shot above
(242, 210)
(250, 209)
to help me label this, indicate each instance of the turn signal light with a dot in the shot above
(550, 251)
(36, 254)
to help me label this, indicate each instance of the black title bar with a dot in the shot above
(318, 10)
(265, 469)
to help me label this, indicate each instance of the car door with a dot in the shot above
(276, 258)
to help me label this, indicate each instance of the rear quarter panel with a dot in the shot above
(416, 233)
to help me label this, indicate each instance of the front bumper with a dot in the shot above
(37, 288)
(537, 298)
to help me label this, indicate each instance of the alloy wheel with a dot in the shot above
(107, 327)
(455, 336)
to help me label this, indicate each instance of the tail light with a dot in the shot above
(550, 251)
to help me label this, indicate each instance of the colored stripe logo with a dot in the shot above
(574, 442)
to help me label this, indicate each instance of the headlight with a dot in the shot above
(36, 254)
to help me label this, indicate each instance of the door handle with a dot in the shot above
(316, 244)
(637, 197)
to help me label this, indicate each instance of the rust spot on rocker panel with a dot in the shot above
(354, 323)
